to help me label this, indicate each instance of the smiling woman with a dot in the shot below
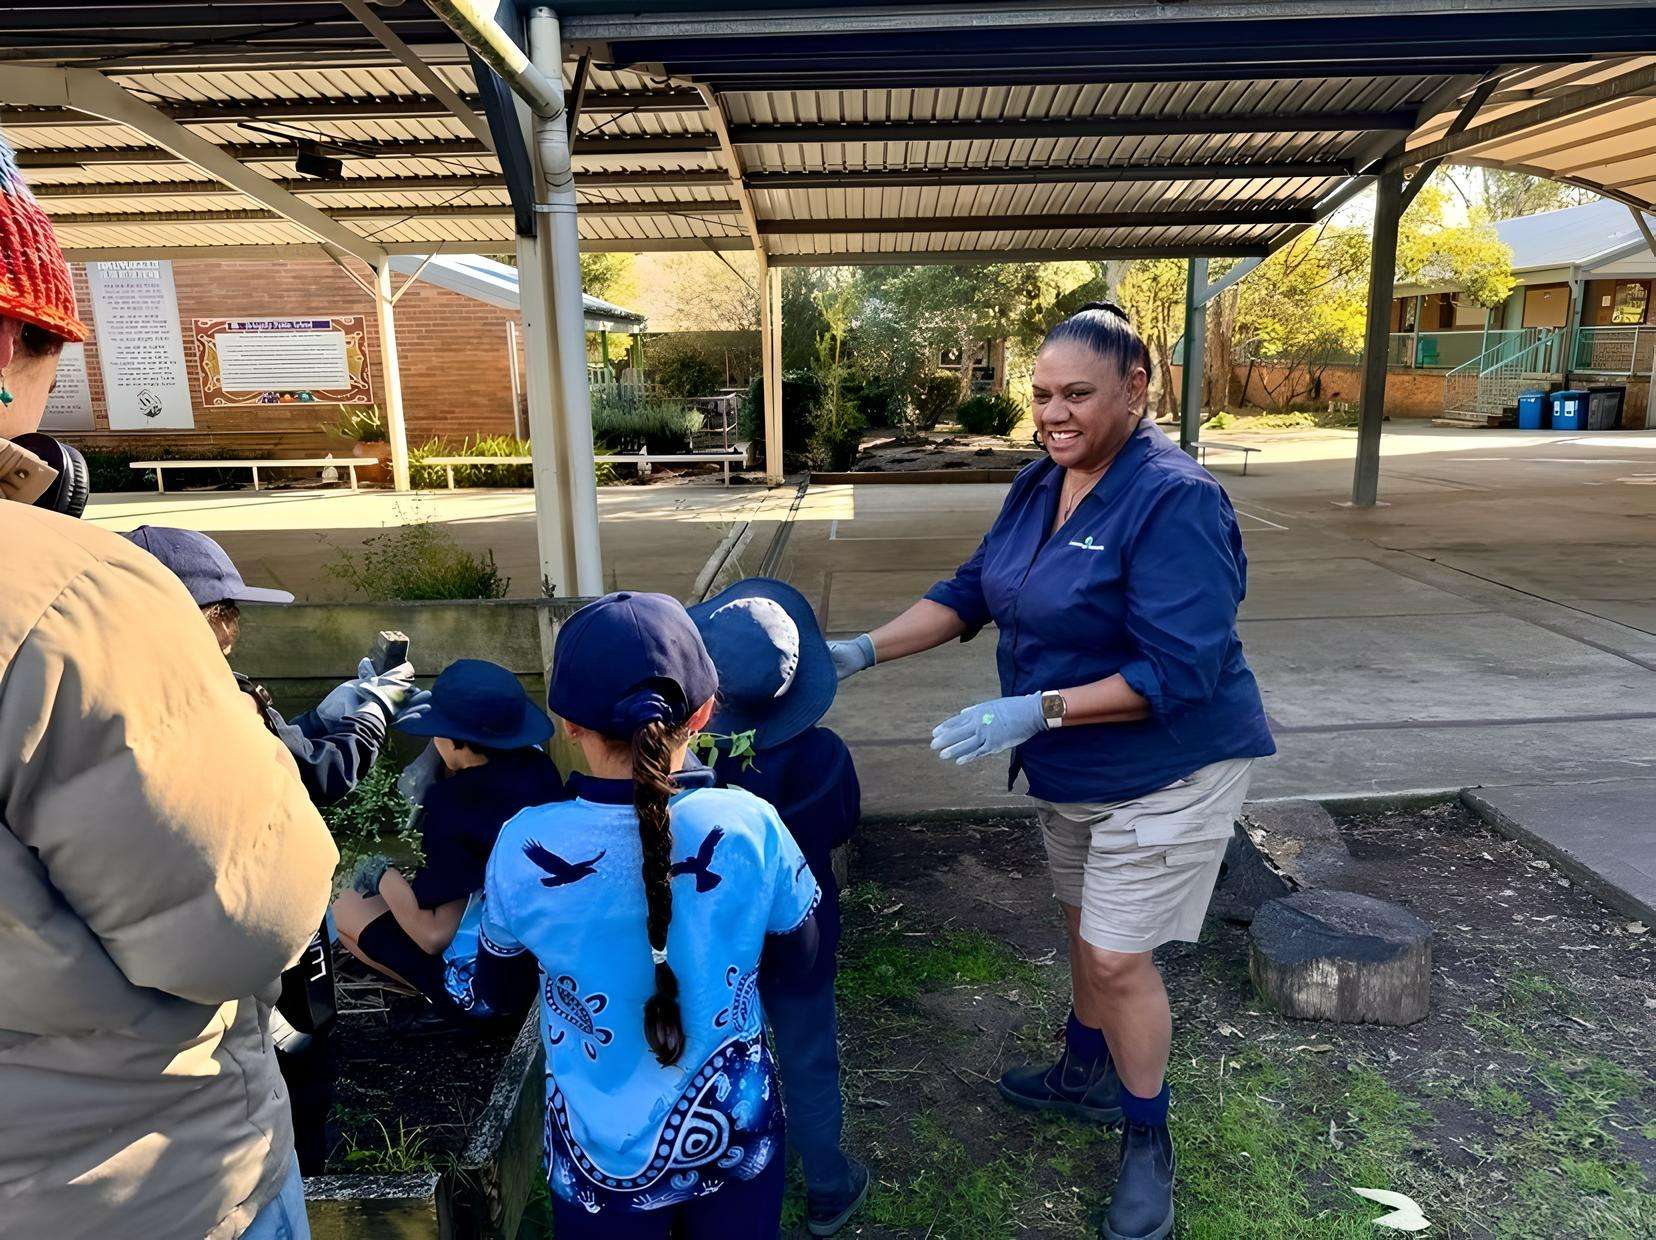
(1113, 573)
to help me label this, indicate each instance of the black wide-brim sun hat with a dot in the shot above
(481, 703)
(765, 687)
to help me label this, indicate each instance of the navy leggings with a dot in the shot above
(740, 1210)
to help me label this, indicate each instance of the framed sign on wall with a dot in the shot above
(321, 360)
(140, 346)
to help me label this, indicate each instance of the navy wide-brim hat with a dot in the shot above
(626, 660)
(481, 703)
(776, 677)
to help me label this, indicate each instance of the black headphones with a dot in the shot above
(72, 486)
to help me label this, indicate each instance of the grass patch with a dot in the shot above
(387, 1154)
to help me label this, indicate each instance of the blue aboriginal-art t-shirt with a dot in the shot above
(565, 883)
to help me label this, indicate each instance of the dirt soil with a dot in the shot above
(887, 453)
(1522, 1106)
(425, 1083)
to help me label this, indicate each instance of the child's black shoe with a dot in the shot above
(828, 1212)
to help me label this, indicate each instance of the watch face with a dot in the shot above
(1052, 705)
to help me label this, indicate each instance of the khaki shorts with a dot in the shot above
(1142, 871)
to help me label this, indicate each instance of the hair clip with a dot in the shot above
(658, 954)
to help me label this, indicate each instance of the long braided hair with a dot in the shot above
(652, 746)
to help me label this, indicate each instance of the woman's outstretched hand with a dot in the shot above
(853, 656)
(987, 728)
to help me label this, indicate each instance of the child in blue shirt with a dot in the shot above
(649, 902)
(483, 766)
(776, 680)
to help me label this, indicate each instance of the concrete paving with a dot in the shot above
(1494, 624)
(1601, 834)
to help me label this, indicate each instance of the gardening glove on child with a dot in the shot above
(365, 880)
(419, 775)
(344, 699)
(989, 727)
(391, 689)
(853, 656)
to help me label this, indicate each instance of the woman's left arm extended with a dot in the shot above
(433, 929)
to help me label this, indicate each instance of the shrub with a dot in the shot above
(878, 400)
(430, 477)
(108, 471)
(1220, 421)
(1285, 421)
(801, 393)
(686, 371)
(836, 433)
(630, 419)
(417, 561)
(359, 426)
(372, 818)
(934, 398)
(989, 413)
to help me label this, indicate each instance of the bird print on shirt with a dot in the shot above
(706, 879)
(560, 873)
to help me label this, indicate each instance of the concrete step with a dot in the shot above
(1463, 417)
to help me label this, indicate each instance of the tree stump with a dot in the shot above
(1340, 956)
(1247, 879)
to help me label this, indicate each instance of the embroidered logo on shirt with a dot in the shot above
(1086, 544)
(563, 1000)
(560, 873)
(706, 879)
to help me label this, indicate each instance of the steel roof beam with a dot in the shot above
(87, 91)
(450, 211)
(883, 178)
(411, 107)
(733, 166)
(1399, 120)
(346, 148)
(304, 186)
(1265, 216)
(924, 258)
(423, 73)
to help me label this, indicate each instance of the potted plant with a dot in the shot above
(364, 430)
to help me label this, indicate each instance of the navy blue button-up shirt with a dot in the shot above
(1144, 579)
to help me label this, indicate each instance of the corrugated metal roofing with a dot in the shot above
(862, 133)
(496, 284)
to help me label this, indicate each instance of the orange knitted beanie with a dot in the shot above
(34, 278)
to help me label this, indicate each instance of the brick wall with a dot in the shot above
(452, 349)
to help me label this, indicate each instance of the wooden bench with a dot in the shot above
(1202, 446)
(641, 459)
(352, 463)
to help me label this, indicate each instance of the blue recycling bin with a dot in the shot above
(1532, 411)
(1569, 410)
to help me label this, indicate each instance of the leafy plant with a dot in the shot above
(837, 424)
(426, 476)
(932, 399)
(630, 418)
(707, 746)
(801, 393)
(686, 371)
(416, 561)
(359, 425)
(1220, 421)
(989, 413)
(372, 816)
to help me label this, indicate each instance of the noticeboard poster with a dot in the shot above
(140, 346)
(69, 407)
(284, 361)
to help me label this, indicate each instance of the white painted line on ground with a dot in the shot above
(835, 536)
(1269, 525)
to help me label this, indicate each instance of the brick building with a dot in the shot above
(452, 345)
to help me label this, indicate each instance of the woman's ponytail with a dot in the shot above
(652, 786)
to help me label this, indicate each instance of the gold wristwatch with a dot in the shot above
(1053, 707)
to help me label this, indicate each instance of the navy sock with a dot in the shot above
(1085, 1043)
(1151, 1111)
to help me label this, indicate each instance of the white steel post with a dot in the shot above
(770, 363)
(395, 430)
(561, 252)
(557, 577)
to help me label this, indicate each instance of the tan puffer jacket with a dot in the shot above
(160, 864)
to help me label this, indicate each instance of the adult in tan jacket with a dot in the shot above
(160, 862)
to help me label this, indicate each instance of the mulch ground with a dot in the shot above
(1522, 1106)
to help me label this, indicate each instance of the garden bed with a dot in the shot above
(909, 454)
(1520, 1107)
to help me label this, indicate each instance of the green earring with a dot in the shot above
(6, 397)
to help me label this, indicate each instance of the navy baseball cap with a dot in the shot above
(627, 660)
(776, 677)
(201, 564)
(481, 703)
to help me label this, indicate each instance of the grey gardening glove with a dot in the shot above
(345, 698)
(365, 880)
(390, 689)
(419, 775)
(853, 656)
(988, 728)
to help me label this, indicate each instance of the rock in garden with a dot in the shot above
(1340, 956)
(1247, 879)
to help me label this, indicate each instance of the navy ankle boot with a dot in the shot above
(1142, 1206)
(1082, 1083)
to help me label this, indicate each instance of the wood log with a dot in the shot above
(1340, 956)
(1247, 879)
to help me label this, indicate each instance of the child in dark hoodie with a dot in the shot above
(776, 680)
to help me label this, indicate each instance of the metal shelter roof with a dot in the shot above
(856, 132)
(496, 284)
